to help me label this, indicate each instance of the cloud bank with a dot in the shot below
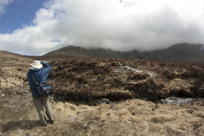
(116, 24)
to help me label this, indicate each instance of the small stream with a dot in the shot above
(181, 101)
(125, 68)
(170, 100)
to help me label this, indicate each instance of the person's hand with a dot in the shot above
(44, 62)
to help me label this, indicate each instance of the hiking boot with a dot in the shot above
(43, 123)
(50, 121)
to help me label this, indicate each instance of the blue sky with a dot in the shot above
(115, 24)
(18, 14)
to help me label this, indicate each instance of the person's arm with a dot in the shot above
(46, 66)
(29, 80)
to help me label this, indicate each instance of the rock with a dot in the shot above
(102, 64)
(104, 101)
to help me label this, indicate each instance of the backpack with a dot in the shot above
(43, 89)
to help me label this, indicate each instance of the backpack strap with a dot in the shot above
(34, 79)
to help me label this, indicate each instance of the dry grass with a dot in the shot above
(131, 118)
(87, 81)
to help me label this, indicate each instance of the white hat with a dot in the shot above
(36, 64)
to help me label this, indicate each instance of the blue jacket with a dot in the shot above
(40, 75)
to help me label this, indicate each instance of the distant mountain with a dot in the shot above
(75, 51)
(183, 52)
(6, 54)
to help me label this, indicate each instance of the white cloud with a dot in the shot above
(115, 24)
(3, 3)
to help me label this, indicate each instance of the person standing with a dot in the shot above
(39, 73)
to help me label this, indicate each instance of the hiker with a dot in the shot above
(37, 74)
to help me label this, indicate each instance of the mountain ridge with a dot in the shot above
(183, 52)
